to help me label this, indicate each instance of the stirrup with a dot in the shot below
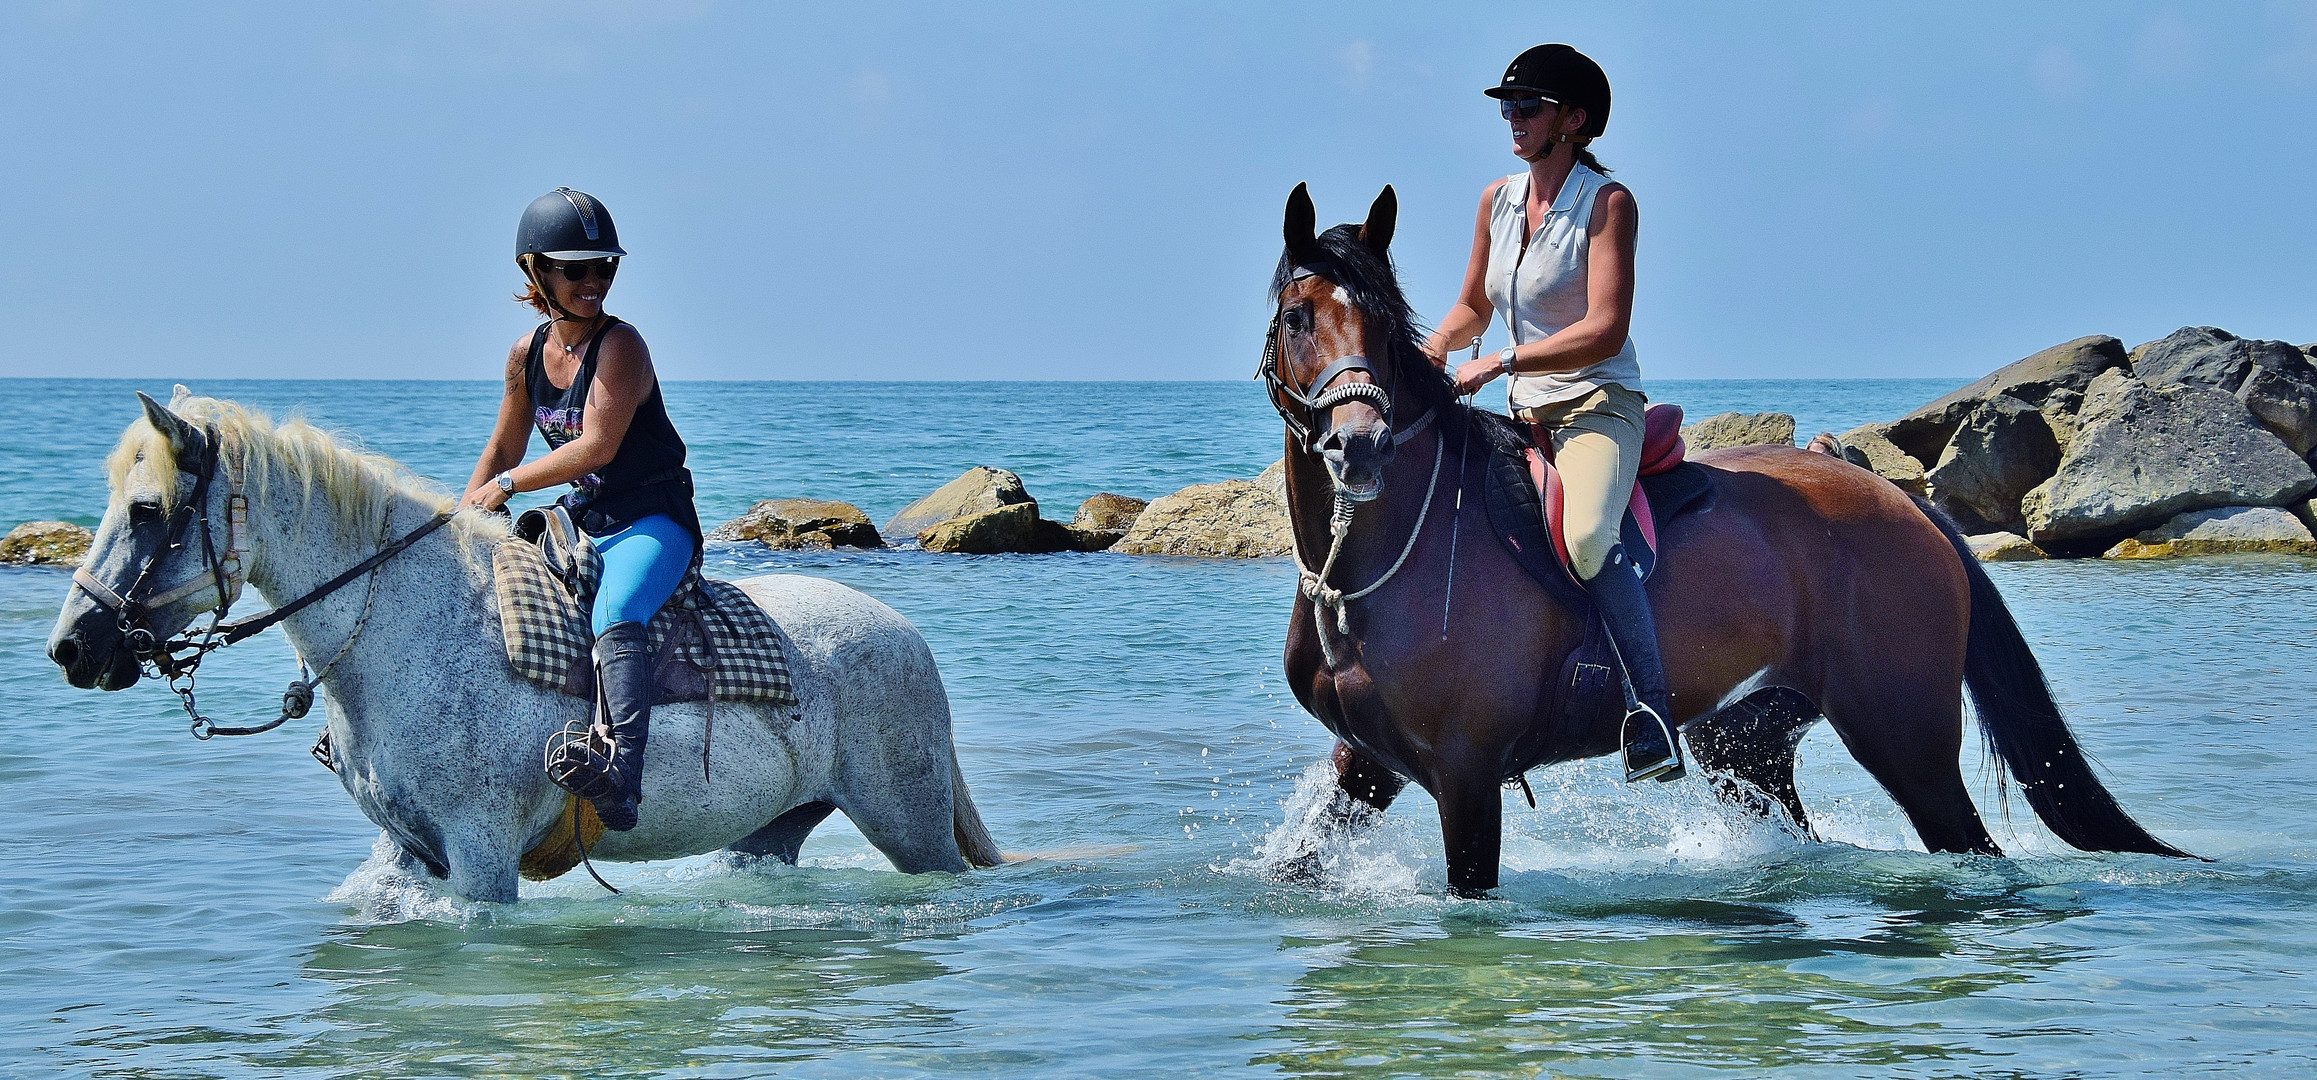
(579, 760)
(1666, 769)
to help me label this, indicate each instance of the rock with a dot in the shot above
(1235, 519)
(978, 490)
(1739, 429)
(1883, 457)
(2274, 380)
(2229, 530)
(2002, 450)
(802, 523)
(1923, 434)
(45, 543)
(1107, 513)
(2145, 454)
(1274, 476)
(2004, 547)
(1005, 530)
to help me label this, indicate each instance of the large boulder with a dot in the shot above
(2145, 454)
(1235, 519)
(45, 543)
(1739, 429)
(979, 490)
(2002, 450)
(1883, 457)
(2228, 530)
(802, 523)
(1102, 521)
(1007, 529)
(2037, 380)
(2275, 380)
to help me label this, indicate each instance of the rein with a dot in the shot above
(177, 659)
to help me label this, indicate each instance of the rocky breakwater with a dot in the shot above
(1234, 519)
(987, 511)
(45, 543)
(2198, 443)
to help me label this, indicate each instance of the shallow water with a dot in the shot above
(185, 909)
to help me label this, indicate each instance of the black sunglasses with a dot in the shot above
(586, 268)
(1521, 109)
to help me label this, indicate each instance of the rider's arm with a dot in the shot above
(1470, 316)
(512, 432)
(1608, 293)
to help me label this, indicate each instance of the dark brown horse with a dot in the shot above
(1807, 588)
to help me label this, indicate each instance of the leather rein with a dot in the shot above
(1311, 433)
(177, 659)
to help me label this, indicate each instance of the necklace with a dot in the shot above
(572, 349)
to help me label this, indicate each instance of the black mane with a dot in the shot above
(1374, 287)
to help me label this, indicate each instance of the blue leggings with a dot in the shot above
(642, 565)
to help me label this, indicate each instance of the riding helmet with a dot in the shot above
(567, 225)
(1563, 76)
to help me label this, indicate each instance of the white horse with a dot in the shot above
(434, 735)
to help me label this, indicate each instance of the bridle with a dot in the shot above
(1313, 435)
(177, 659)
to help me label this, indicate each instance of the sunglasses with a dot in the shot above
(1521, 109)
(580, 271)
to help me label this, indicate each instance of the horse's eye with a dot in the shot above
(1292, 320)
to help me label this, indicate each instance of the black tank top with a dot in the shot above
(646, 474)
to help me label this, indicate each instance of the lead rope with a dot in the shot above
(1315, 587)
(298, 697)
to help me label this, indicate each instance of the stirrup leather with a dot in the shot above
(1667, 768)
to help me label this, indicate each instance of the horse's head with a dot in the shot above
(165, 552)
(1341, 344)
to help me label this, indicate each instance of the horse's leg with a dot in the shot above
(1751, 742)
(1360, 777)
(1910, 739)
(1471, 825)
(482, 867)
(786, 835)
(1362, 791)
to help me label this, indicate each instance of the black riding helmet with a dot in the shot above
(1563, 76)
(568, 226)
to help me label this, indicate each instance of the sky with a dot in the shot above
(1094, 191)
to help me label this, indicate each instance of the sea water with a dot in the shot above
(173, 908)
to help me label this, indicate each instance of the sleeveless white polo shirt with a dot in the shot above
(1540, 288)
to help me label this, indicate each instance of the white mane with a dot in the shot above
(357, 488)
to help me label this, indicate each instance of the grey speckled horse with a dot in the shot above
(435, 736)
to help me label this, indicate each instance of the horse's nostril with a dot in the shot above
(66, 652)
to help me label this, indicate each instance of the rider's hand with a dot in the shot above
(486, 497)
(1471, 375)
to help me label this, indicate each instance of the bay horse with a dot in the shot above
(1806, 589)
(431, 731)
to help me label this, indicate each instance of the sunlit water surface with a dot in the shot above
(174, 908)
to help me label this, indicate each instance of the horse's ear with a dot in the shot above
(1302, 220)
(180, 395)
(183, 437)
(1382, 215)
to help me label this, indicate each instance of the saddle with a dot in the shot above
(711, 642)
(1524, 511)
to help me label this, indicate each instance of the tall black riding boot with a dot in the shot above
(1651, 751)
(613, 781)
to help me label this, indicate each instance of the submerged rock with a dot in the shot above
(1235, 519)
(2049, 378)
(2275, 380)
(1739, 429)
(45, 543)
(2004, 547)
(802, 523)
(2228, 530)
(1101, 521)
(2145, 454)
(2000, 452)
(1883, 457)
(978, 490)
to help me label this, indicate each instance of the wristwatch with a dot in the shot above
(506, 481)
(1504, 360)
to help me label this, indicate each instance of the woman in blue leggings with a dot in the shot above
(585, 380)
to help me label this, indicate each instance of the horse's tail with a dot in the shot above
(2022, 723)
(973, 838)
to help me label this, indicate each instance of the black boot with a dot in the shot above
(607, 769)
(1651, 751)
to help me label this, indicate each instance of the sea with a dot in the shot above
(173, 908)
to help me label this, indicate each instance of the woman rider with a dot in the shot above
(1553, 250)
(585, 380)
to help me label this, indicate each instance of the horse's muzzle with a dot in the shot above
(94, 662)
(1356, 459)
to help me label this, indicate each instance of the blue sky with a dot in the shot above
(909, 191)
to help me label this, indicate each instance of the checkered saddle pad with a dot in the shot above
(711, 640)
